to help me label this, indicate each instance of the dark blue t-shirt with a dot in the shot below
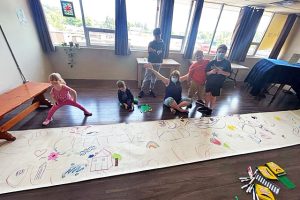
(153, 57)
(174, 90)
(224, 64)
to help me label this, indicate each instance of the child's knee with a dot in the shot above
(168, 101)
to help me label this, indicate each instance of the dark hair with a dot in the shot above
(156, 31)
(120, 84)
(222, 46)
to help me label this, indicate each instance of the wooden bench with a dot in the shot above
(12, 99)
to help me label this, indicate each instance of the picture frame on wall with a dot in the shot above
(67, 8)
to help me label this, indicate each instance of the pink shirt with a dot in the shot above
(61, 95)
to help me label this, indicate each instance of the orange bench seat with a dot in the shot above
(12, 99)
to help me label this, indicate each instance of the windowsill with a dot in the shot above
(90, 47)
(111, 48)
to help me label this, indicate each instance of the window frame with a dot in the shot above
(88, 29)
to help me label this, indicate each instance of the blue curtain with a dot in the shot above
(188, 53)
(283, 35)
(166, 17)
(121, 35)
(41, 25)
(244, 32)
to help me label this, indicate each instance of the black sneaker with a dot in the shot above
(189, 106)
(200, 102)
(141, 94)
(205, 110)
(151, 93)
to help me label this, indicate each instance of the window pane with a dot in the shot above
(63, 29)
(175, 44)
(99, 14)
(102, 39)
(251, 50)
(140, 22)
(180, 21)
(271, 35)
(226, 27)
(262, 26)
(208, 21)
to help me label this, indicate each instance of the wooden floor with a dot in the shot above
(214, 179)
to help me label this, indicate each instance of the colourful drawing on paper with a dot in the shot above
(47, 157)
(53, 156)
(117, 157)
(152, 144)
(231, 127)
(277, 118)
(214, 140)
(73, 170)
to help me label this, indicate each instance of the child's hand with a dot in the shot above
(213, 71)
(148, 66)
(125, 106)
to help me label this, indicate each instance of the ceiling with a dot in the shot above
(279, 6)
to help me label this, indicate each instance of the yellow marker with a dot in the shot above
(263, 192)
(266, 172)
(278, 171)
(231, 127)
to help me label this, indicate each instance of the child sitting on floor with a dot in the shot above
(197, 77)
(125, 96)
(62, 95)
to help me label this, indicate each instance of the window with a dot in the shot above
(99, 17)
(181, 16)
(207, 25)
(225, 27)
(141, 22)
(63, 29)
(260, 32)
(271, 35)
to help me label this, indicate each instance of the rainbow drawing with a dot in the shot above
(152, 144)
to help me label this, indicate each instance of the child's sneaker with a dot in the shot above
(151, 93)
(200, 102)
(205, 110)
(141, 94)
(88, 114)
(47, 122)
(189, 106)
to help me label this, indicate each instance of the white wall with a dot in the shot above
(25, 45)
(103, 64)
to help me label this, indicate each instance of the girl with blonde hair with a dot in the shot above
(62, 95)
